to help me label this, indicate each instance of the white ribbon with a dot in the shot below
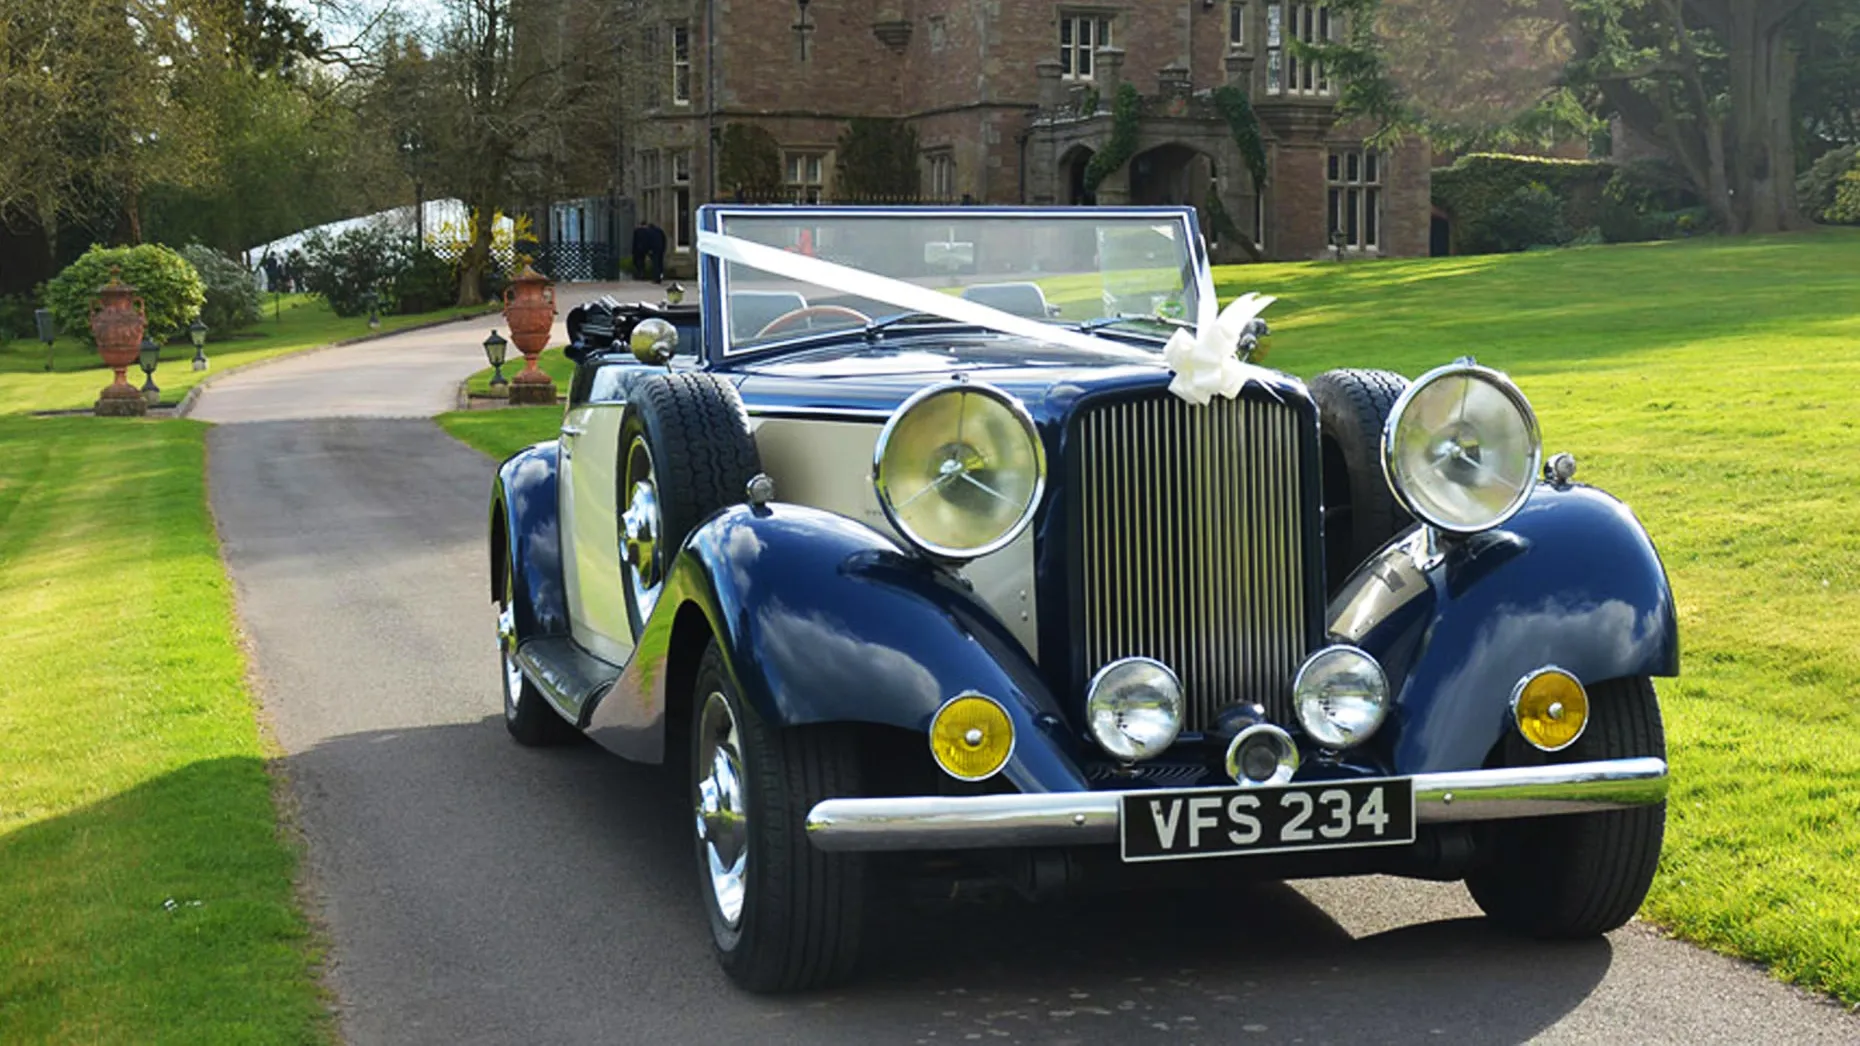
(1204, 362)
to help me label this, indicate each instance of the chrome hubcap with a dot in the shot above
(507, 645)
(722, 808)
(640, 528)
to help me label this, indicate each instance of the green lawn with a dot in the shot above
(301, 322)
(146, 890)
(1714, 385)
(133, 774)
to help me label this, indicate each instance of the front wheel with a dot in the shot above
(1581, 875)
(783, 915)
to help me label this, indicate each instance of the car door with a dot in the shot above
(588, 509)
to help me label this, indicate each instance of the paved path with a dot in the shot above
(478, 892)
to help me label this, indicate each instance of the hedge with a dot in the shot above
(1486, 195)
(1478, 184)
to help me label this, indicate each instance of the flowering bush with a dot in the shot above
(232, 296)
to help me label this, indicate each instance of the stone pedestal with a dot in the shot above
(120, 402)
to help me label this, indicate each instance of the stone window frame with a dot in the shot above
(940, 171)
(681, 63)
(1306, 22)
(795, 179)
(1072, 54)
(938, 27)
(651, 192)
(1236, 25)
(683, 227)
(1356, 179)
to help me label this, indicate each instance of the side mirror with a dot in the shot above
(653, 341)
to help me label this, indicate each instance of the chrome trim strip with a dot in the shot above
(1069, 818)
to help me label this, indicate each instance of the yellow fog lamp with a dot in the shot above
(1551, 709)
(971, 737)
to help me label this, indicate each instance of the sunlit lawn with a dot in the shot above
(1714, 385)
(145, 886)
(292, 323)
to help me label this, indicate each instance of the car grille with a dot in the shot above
(1193, 546)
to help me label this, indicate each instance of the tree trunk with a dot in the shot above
(476, 262)
(1761, 66)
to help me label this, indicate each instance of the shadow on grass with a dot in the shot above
(162, 914)
(451, 856)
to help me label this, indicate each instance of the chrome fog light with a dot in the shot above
(1134, 707)
(1341, 696)
(1262, 754)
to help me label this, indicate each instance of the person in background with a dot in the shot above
(655, 247)
(640, 239)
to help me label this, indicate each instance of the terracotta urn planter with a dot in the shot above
(117, 321)
(529, 309)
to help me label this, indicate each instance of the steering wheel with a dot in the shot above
(810, 311)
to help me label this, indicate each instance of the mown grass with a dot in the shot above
(1715, 386)
(291, 324)
(145, 889)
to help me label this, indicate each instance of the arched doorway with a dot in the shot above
(1072, 175)
(1170, 174)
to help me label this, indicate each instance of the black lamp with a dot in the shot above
(148, 359)
(494, 351)
(374, 313)
(197, 333)
(47, 332)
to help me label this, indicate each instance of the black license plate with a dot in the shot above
(1216, 822)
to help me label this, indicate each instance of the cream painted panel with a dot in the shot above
(828, 465)
(600, 621)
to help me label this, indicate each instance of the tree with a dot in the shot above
(1712, 82)
(749, 162)
(877, 159)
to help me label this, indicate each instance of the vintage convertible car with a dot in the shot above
(939, 541)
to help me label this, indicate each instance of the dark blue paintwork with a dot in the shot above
(1572, 581)
(523, 507)
(822, 619)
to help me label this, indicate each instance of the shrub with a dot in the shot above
(1818, 186)
(1846, 207)
(232, 296)
(16, 320)
(1531, 216)
(171, 291)
(342, 269)
(425, 282)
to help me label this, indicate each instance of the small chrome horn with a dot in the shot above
(1262, 754)
(653, 341)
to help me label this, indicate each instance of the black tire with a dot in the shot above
(1360, 512)
(701, 455)
(802, 909)
(527, 714)
(1586, 874)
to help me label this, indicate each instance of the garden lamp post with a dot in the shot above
(197, 333)
(494, 347)
(149, 358)
(47, 332)
(1336, 243)
(374, 310)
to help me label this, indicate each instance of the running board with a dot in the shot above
(569, 677)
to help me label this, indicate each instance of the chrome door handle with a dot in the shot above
(571, 430)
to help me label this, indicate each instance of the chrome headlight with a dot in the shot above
(1134, 707)
(1461, 450)
(1341, 696)
(959, 469)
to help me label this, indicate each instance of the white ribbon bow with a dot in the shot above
(1206, 360)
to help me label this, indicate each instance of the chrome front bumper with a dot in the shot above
(1084, 818)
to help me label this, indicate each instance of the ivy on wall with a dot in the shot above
(877, 160)
(749, 161)
(1126, 111)
(1243, 123)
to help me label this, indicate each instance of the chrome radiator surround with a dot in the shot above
(1197, 544)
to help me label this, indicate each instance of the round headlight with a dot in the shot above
(1461, 449)
(1341, 696)
(959, 469)
(1134, 707)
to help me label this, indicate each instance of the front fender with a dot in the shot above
(822, 619)
(523, 505)
(1573, 580)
